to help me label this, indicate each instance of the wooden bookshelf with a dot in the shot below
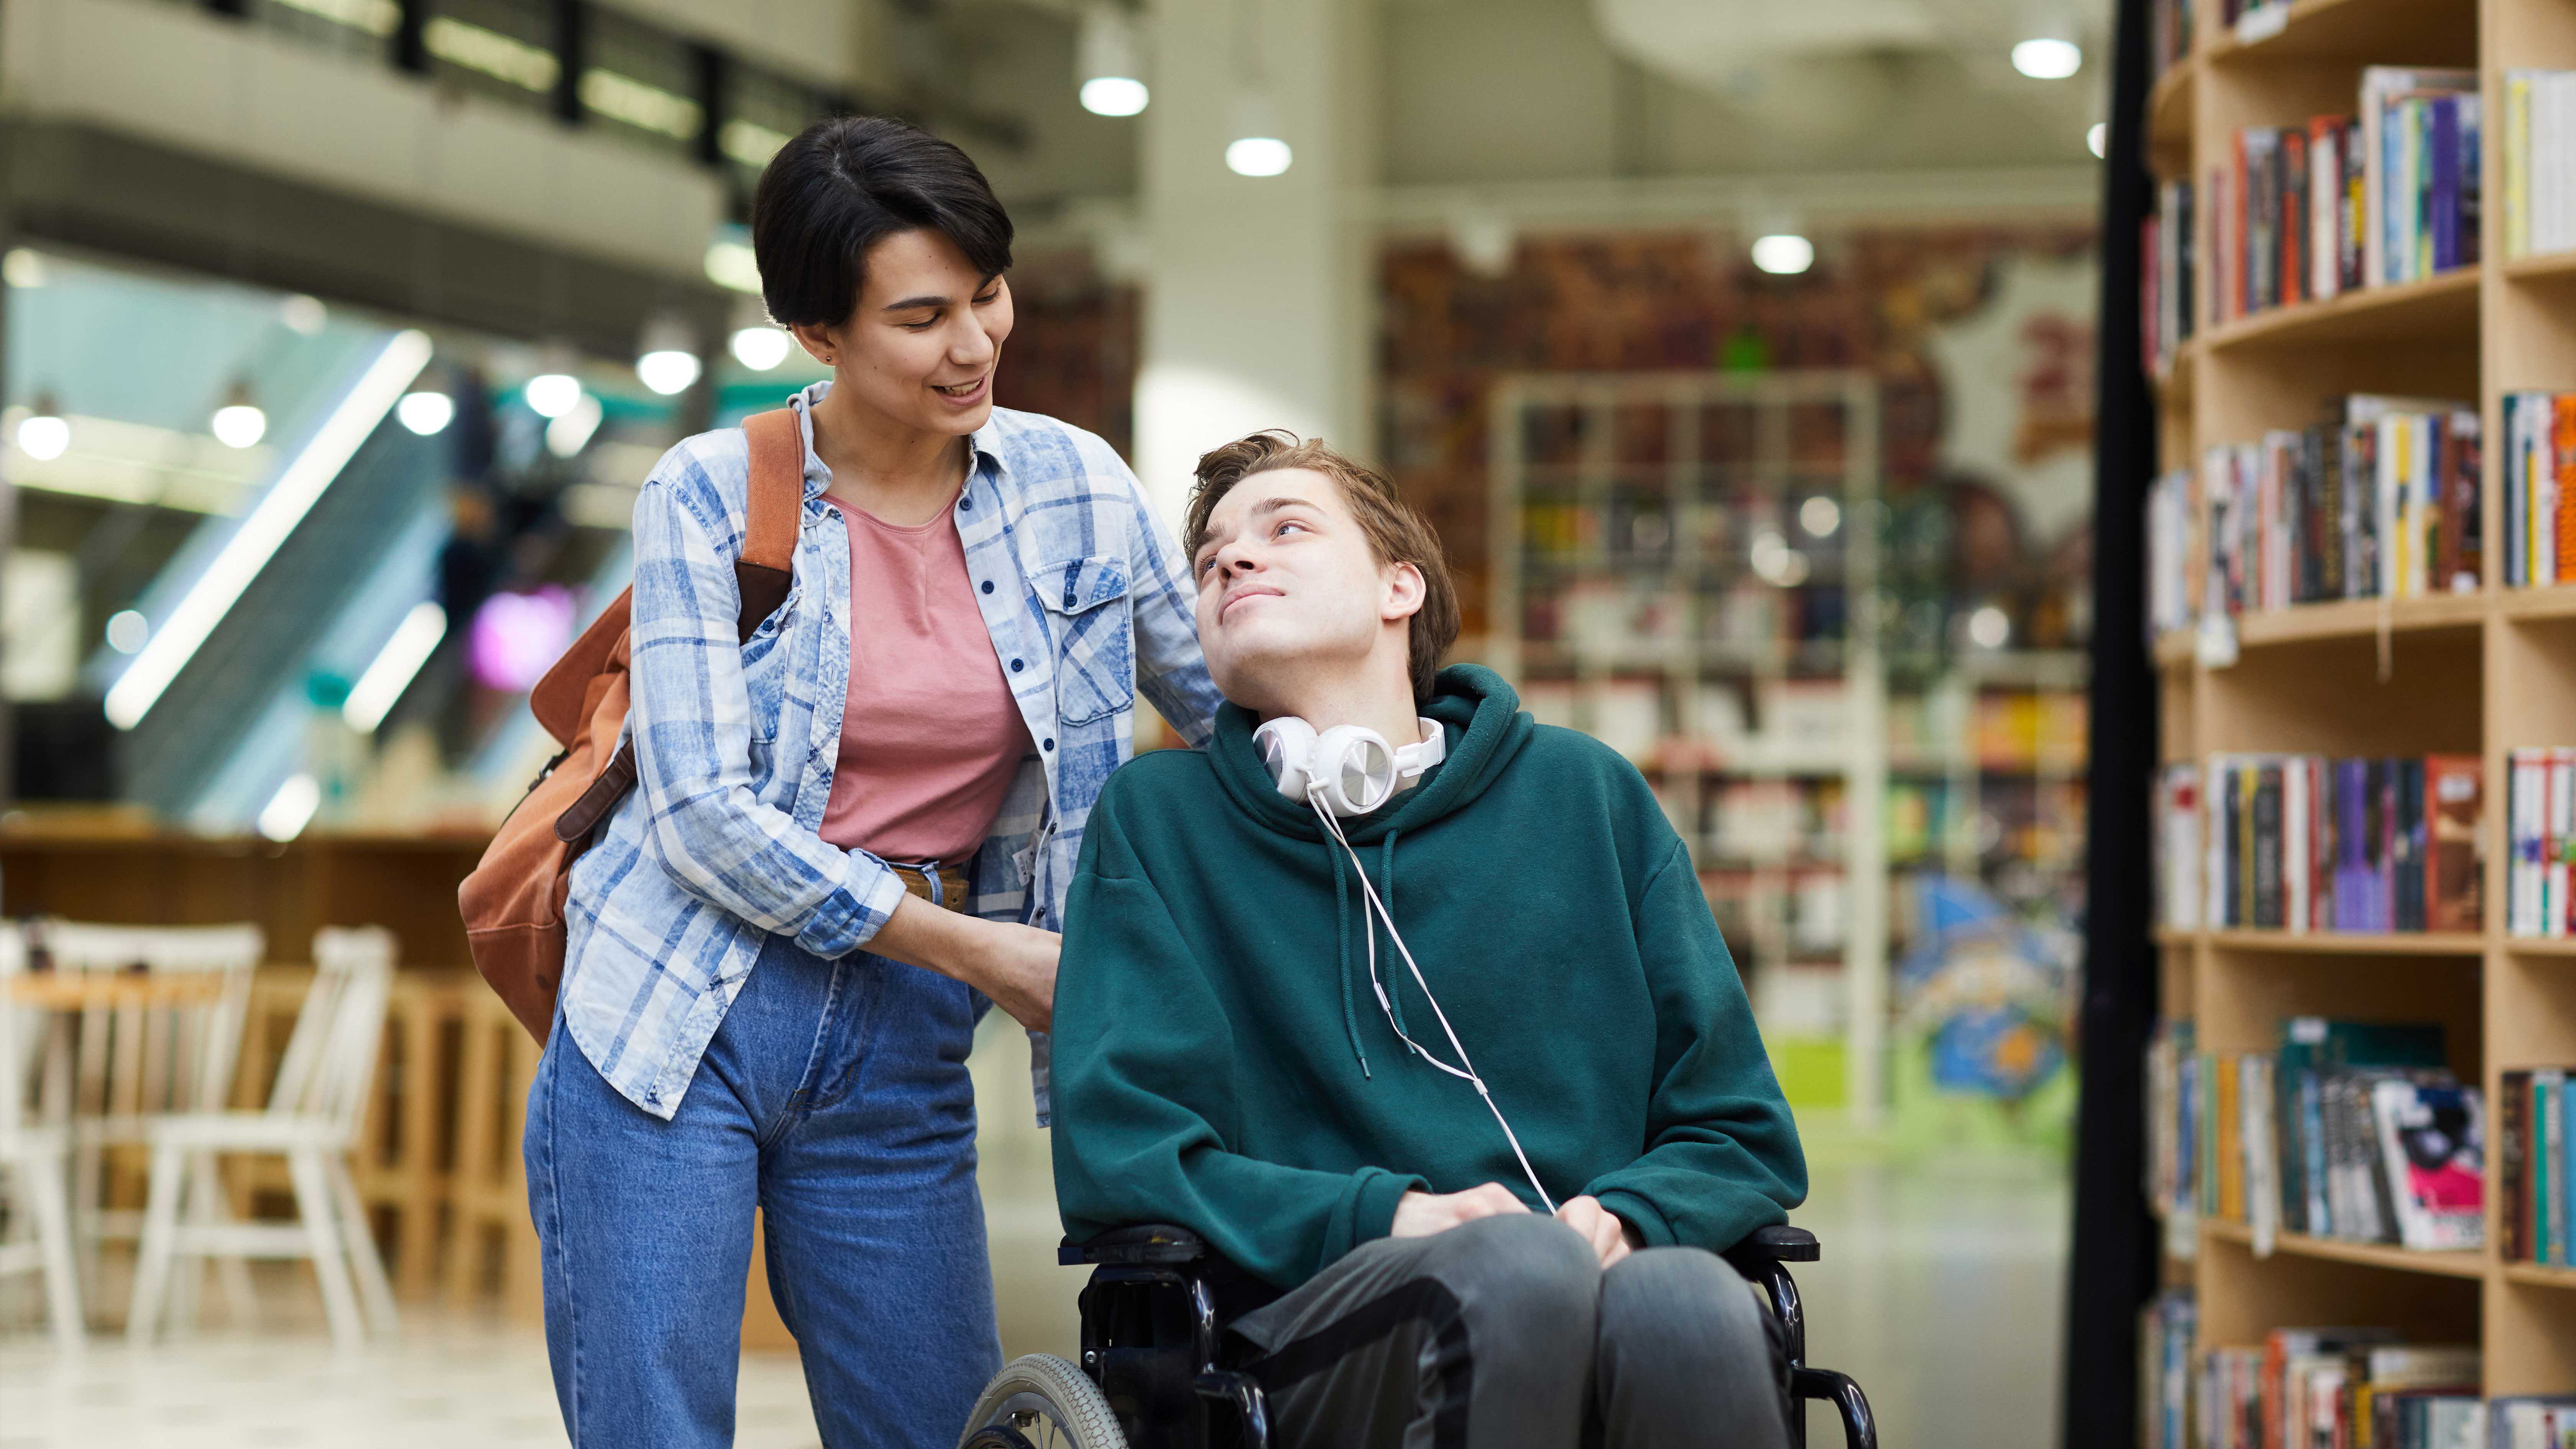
(2483, 673)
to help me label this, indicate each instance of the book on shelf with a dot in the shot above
(2169, 33)
(2539, 162)
(2168, 259)
(2340, 1388)
(2540, 831)
(2381, 501)
(2302, 843)
(2174, 1115)
(2166, 1329)
(2420, 156)
(2177, 815)
(2347, 1130)
(2534, 1176)
(2539, 482)
(2531, 1421)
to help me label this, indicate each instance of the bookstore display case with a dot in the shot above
(1682, 566)
(2360, 313)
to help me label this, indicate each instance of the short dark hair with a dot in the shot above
(1396, 534)
(843, 185)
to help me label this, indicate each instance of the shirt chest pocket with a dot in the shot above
(767, 655)
(1095, 650)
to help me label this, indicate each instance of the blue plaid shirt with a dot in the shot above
(716, 849)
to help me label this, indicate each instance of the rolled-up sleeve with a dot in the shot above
(1170, 671)
(691, 723)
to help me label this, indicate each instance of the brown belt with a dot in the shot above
(919, 879)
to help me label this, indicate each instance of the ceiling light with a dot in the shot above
(22, 268)
(425, 413)
(1783, 254)
(1114, 95)
(299, 486)
(2047, 58)
(1106, 61)
(1256, 149)
(239, 423)
(667, 354)
(1989, 627)
(303, 315)
(1258, 156)
(668, 371)
(44, 433)
(730, 263)
(128, 631)
(2097, 139)
(760, 348)
(376, 691)
(552, 394)
(291, 808)
(1820, 516)
(570, 433)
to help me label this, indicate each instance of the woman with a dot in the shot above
(853, 829)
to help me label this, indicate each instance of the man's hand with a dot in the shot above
(1609, 1235)
(1420, 1214)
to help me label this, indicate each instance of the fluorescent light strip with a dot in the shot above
(248, 551)
(401, 658)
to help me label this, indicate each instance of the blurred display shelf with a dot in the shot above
(2440, 308)
(2447, 1264)
(2541, 945)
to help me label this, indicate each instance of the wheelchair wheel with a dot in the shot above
(1041, 1401)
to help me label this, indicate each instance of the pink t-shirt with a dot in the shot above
(931, 736)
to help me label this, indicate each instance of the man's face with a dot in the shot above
(1289, 589)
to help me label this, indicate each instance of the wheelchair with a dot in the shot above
(1151, 1375)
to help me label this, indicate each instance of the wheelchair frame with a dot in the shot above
(1150, 1336)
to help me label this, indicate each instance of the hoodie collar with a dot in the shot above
(1485, 728)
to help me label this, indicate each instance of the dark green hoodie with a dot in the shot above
(1221, 1062)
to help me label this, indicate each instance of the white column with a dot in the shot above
(1257, 300)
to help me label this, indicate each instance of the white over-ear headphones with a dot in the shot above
(1351, 768)
(1348, 770)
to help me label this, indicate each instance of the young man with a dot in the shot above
(1244, 1047)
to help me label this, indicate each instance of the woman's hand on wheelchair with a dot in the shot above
(1609, 1234)
(1420, 1214)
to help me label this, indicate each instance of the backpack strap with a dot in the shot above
(762, 575)
(776, 500)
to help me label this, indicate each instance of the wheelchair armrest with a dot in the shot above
(1156, 1243)
(1778, 1243)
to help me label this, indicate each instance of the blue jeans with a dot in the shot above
(835, 1097)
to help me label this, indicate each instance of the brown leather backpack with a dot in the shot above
(513, 902)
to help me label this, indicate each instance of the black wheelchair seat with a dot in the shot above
(1153, 1373)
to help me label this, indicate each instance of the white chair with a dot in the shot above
(126, 1064)
(34, 1157)
(312, 1121)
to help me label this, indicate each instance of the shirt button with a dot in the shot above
(964, 503)
(1015, 666)
(988, 586)
(1050, 743)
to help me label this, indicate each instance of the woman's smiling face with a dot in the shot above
(921, 346)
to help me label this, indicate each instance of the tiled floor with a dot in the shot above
(1940, 1290)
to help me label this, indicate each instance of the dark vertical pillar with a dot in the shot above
(572, 46)
(408, 46)
(2112, 1268)
(715, 103)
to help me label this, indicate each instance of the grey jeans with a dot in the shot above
(1504, 1333)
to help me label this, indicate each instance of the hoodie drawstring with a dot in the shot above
(1342, 948)
(1394, 999)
